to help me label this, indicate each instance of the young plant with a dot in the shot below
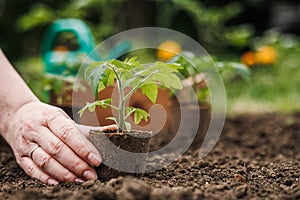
(129, 74)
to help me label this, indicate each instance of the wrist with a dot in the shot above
(10, 118)
(14, 94)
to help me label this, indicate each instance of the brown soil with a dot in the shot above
(257, 157)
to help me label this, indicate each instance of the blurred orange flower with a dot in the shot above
(266, 55)
(167, 50)
(248, 58)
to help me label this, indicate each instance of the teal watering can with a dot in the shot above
(57, 62)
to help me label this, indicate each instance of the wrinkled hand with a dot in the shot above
(61, 150)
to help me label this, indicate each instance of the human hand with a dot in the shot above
(50, 146)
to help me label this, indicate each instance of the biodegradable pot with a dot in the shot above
(113, 162)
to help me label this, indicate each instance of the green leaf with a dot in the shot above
(128, 126)
(129, 109)
(133, 62)
(175, 66)
(241, 70)
(88, 106)
(111, 78)
(95, 73)
(90, 68)
(118, 64)
(165, 75)
(104, 103)
(140, 114)
(82, 110)
(101, 87)
(113, 119)
(92, 106)
(39, 15)
(151, 91)
(203, 94)
(168, 80)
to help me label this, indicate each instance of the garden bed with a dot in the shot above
(257, 157)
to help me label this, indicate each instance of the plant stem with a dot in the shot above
(122, 110)
(121, 102)
(128, 114)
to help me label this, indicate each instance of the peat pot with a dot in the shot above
(122, 153)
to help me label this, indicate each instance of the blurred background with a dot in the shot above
(260, 34)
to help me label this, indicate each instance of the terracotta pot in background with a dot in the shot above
(204, 109)
(203, 123)
(138, 100)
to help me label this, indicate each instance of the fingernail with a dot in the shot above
(52, 182)
(79, 180)
(95, 159)
(89, 175)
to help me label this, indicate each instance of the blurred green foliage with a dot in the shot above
(42, 83)
(99, 15)
(272, 87)
(194, 69)
(209, 22)
(206, 23)
(217, 25)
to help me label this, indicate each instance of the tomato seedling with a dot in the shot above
(133, 75)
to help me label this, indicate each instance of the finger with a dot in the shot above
(86, 129)
(25, 149)
(32, 170)
(109, 127)
(57, 149)
(67, 131)
(49, 165)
